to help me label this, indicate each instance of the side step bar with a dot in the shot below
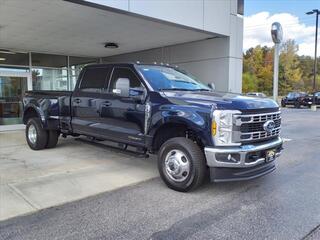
(118, 147)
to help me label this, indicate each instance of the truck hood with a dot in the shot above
(220, 100)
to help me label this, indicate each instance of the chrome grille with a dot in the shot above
(257, 126)
(249, 127)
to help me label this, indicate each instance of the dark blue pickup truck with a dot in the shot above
(162, 110)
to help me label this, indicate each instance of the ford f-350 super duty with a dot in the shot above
(194, 130)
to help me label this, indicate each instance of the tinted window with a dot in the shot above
(95, 78)
(125, 73)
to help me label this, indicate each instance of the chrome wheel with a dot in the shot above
(32, 134)
(177, 165)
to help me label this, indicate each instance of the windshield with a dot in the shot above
(166, 78)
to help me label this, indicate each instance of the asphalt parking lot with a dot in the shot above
(281, 205)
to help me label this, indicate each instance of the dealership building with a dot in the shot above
(45, 43)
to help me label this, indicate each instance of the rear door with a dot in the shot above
(87, 99)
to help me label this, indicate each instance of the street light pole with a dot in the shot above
(276, 34)
(276, 71)
(317, 12)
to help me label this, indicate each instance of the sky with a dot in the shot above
(260, 14)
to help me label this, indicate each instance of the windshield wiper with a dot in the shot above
(203, 90)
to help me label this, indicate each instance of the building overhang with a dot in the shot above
(79, 28)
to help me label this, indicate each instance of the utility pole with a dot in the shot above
(317, 12)
(276, 34)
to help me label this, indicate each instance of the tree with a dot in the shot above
(249, 82)
(258, 65)
(290, 75)
(295, 72)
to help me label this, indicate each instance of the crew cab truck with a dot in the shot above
(195, 131)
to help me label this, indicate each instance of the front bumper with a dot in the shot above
(247, 161)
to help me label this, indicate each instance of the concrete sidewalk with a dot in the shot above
(32, 180)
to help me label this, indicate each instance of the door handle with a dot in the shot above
(103, 105)
(106, 104)
(77, 100)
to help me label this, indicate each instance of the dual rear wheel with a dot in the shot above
(39, 138)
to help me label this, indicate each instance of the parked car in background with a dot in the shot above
(161, 110)
(256, 94)
(309, 98)
(296, 99)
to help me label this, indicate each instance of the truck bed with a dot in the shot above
(53, 106)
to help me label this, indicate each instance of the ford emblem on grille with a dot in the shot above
(269, 125)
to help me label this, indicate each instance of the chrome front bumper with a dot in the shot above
(243, 151)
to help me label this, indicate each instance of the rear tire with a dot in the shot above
(181, 164)
(283, 104)
(36, 136)
(53, 136)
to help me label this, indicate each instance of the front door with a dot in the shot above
(12, 89)
(125, 116)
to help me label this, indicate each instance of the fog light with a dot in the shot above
(228, 157)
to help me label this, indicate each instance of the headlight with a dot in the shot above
(222, 126)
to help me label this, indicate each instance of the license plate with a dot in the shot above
(309, 102)
(270, 155)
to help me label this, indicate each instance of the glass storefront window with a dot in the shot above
(50, 79)
(49, 72)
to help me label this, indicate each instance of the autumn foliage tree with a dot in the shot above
(295, 72)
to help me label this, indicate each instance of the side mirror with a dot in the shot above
(212, 86)
(122, 87)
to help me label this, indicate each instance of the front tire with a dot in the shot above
(181, 164)
(36, 136)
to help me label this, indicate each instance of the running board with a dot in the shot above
(116, 147)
